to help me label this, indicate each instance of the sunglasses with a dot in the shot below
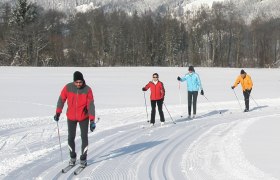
(155, 77)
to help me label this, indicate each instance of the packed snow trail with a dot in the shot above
(120, 148)
(136, 152)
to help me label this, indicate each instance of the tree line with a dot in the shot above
(213, 37)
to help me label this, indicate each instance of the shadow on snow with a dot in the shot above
(127, 150)
(209, 114)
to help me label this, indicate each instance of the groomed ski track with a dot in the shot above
(185, 150)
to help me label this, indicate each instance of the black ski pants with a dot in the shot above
(192, 99)
(153, 113)
(246, 95)
(72, 125)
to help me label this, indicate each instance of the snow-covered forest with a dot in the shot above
(219, 36)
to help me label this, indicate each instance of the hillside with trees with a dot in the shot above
(215, 37)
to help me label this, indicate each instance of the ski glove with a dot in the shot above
(143, 89)
(92, 126)
(202, 92)
(232, 87)
(178, 78)
(56, 117)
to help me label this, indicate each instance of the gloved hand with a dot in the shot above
(178, 78)
(232, 87)
(202, 92)
(92, 126)
(143, 89)
(162, 99)
(56, 117)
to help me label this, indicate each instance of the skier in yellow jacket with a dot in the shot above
(246, 82)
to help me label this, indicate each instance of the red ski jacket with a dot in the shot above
(157, 90)
(80, 102)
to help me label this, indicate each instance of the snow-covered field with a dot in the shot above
(232, 145)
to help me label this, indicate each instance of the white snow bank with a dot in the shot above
(85, 7)
(218, 154)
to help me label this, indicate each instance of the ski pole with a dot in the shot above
(212, 104)
(254, 100)
(180, 98)
(237, 99)
(146, 107)
(59, 141)
(169, 113)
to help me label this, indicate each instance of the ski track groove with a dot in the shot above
(23, 137)
(154, 163)
(142, 155)
(167, 174)
(161, 158)
(92, 174)
(3, 145)
(150, 131)
(164, 155)
(60, 166)
(153, 167)
(113, 174)
(154, 138)
(100, 151)
(196, 159)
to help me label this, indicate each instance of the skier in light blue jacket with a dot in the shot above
(193, 86)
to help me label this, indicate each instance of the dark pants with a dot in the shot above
(72, 125)
(246, 95)
(153, 114)
(192, 98)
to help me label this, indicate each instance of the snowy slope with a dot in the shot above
(248, 8)
(231, 145)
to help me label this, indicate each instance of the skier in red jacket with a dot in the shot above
(80, 110)
(157, 97)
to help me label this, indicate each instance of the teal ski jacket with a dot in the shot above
(193, 81)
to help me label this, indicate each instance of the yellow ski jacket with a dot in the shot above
(246, 83)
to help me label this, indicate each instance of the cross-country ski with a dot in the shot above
(79, 170)
(67, 168)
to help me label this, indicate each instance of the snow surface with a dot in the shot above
(195, 4)
(85, 7)
(231, 145)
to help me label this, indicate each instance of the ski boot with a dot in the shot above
(83, 163)
(72, 162)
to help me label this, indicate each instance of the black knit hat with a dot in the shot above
(191, 68)
(78, 76)
(242, 71)
(155, 74)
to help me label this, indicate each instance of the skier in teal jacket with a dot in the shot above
(193, 86)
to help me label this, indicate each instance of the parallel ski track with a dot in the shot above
(195, 165)
(97, 152)
(132, 152)
(156, 159)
